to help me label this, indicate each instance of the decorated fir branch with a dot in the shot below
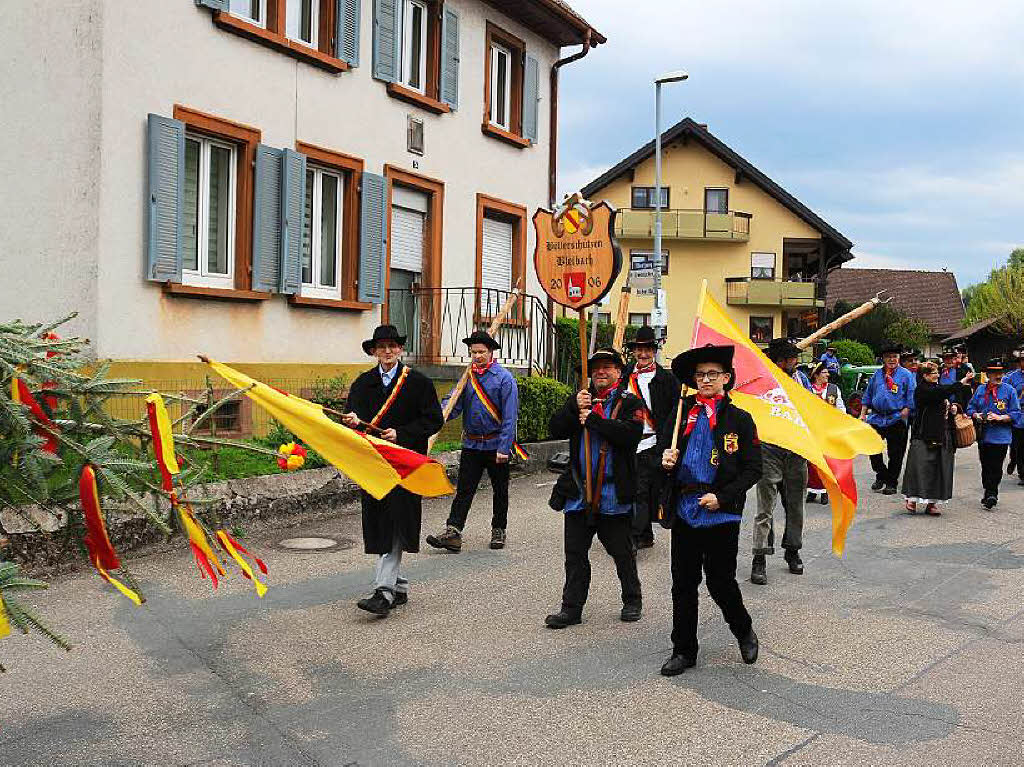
(14, 615)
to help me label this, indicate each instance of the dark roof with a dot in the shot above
(970, 330)
(692, 129)
(553, 20)
(932, 297)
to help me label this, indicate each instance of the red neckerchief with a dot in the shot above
(709, 406)
(650, 369)
(819, 389)
(890, 382)
(990, 392)
(480, 370)
(599, 398)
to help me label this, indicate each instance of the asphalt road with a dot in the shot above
(908, 651)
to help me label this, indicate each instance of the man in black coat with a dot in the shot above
(613, 418)
(717, 459)
(659, 391)
(403, 404)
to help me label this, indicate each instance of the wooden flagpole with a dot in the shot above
(585, 385)
(496, 322)
(621, 319)
(847, 318)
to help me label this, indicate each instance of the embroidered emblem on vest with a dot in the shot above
(731, 443)
(714, 456)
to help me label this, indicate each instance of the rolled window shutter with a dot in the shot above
(387, 38)
(373, 238)
(165, 198)
(293, 203)
(346, 40)
(217, 5)
(450, 58)
(531, 99)
(266, 221)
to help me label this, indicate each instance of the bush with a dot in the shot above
(539, 398)
(332, 393)
(567, 344)
(856, 352)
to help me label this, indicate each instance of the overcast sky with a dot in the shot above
(898, 121)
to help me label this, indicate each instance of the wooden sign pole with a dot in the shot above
(846, 319)
(622, 320)
(584, 386)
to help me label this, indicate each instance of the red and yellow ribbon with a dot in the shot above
(20, 393)
(5, 627)
(391, 399)
(163, 440)
(235, 549)
(205, 558)
(97, 541)
(493, 412)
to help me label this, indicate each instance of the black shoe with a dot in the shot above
(643, 542)
(450, 539)
(758, 574)
(631, 613)
(796, 565)
(401, 598)
(497, 538)
(378, 604)
(877, 485)
(889, 490)
(811, 497)
(824, 499)
(1010, 467)
(562, 619)
(989, 502)
(749, 647)
(677, 664)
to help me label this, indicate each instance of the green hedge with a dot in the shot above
(567, 344)
(856, 352)
(539, 398)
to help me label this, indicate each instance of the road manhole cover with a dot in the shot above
(314, 543)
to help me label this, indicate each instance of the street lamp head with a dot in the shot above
(672, 77)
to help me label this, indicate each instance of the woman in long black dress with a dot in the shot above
(928, 479)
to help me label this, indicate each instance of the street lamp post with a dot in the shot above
(659, 318)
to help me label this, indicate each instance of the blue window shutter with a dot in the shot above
(450, 58)
(531, 98)
(165, 199)
(266, 221)
(373, 238)
(387, 37)
(346, 36)
(293, 201)
(217, 5)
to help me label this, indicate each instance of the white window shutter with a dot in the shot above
(407, 228)
(495, 263)
(165, 198)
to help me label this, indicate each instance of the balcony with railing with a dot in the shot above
(684, 224)
(744, 291)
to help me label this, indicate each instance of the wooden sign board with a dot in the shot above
(577, 258)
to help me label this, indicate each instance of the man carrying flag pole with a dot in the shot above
(490, 411)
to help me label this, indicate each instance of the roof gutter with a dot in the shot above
(553, 143)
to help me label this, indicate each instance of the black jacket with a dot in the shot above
(665, 390)
(415, 416)
(962, 393)
(932, 420)
(623, 433)
(739, 456)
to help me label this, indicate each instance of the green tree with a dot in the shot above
(1001, 296)
(869, 329)
(908, 332)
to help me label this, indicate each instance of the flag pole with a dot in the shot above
(846, 319)
(620, 321)
(585, 385)
(700, 311)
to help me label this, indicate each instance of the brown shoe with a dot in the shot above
(450, 539)
(497, 538)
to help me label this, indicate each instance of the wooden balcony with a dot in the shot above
(684, 224)
(744, 291)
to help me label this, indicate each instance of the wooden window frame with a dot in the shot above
(495, 35)
(493, 207)
(245, 138)
(430, 98)
(649, 194)
(245, 420)
(351, 170)
(716, 189)
(433, 239)
(273, 34)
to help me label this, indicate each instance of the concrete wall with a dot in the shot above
(50, 113)
(160, 54)
(687, 170)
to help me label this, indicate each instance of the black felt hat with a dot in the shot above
(644, 337)
(948, 353)
(684, 366)
(481, 337)
(781, 349)
(609, 355)
(995, 365)
(383, 333)
(890, 348)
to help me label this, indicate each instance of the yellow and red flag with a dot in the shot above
(788, 415)
(5, 626)
(376, 465)
(97, 541)
(46, 429)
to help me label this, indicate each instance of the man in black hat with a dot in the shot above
(996, 410)
(784, 475)
(489, 406)
(402, 403)
(887, 403)
(717, 460)
(614, 421)
(952, 373)
(659, 391)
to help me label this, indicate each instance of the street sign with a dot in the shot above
(641, 279)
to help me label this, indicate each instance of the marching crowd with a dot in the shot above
(656, 446)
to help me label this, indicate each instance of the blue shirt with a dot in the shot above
(387, 376)
(699, 466)
(1005, 402)
(831, 363)
(609, 501)
(500, 387)
(1015, 378)
(884, 404)
(801, 378)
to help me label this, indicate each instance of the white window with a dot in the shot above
(250, 10)
(414, 45)
(639, 319)
(762, 266)
(301, 21)
(321, 234)
(208, 243)
(501, 90)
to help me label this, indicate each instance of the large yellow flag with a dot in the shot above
(788, 415)
(374, 464)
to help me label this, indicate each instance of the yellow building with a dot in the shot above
(764, 254)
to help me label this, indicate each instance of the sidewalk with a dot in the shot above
(906, 652)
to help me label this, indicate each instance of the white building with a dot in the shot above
(249, 178)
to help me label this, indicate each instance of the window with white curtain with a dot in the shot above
(414, 45)
(501, 90)
(322, 227)
(250, 10)
(762, 266)
(208, 239)
(302, 20)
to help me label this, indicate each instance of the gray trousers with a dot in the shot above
(786, 473)
(388, 577)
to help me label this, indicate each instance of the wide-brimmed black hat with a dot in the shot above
(908, 354)
(948, 353)
(644, 337)
(605, 355)
(481, 337)
(383, 333)
(892, 349)
(995, 365)
(685, 365)
(781, 349)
